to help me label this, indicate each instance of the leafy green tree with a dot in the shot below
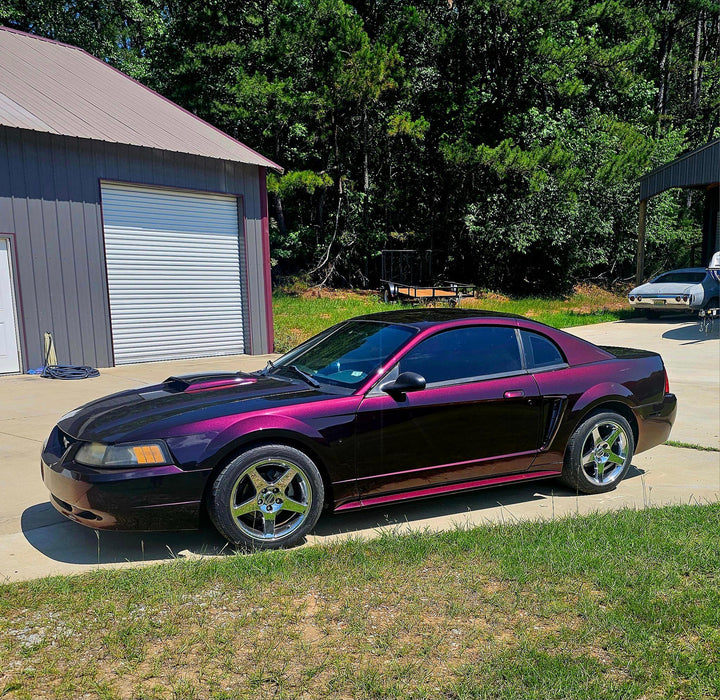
(508, 134)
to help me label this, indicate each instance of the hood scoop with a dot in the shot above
(191, 383)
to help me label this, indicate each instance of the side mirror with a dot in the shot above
(405, 383)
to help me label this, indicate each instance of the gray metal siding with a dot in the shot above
(696, 169)
(50, 200)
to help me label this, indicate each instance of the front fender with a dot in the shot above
(265, 428)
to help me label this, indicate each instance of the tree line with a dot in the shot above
(508, 134)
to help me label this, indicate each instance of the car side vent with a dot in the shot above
(554, 413)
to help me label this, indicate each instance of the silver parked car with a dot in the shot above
(688, 289)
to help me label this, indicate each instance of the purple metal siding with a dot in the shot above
(50, 200)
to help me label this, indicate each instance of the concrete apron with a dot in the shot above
(36, 541)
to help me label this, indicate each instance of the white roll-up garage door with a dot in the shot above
(173, 268)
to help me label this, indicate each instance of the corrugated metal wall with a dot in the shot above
(696, 169)
(50, 201)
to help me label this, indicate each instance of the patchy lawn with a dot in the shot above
(616, 605)
(301, 313)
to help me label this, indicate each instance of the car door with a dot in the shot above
(479, 415)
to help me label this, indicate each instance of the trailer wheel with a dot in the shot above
(388, 298)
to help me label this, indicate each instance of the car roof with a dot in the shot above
(425, 317)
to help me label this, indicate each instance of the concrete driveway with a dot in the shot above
(36, 541)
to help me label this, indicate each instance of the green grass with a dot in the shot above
(616, 605)
(691, 446)
(301, 313)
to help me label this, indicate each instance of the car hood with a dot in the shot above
(651, 289)
(157, 411)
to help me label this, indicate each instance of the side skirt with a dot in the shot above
(448, 488)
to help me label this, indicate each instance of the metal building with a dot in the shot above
(129, 228)
(699, 169)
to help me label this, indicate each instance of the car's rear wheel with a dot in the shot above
(268, 497)
(599, 453)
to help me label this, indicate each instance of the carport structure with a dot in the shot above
(699, 169)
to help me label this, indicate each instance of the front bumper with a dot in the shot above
(150, 498)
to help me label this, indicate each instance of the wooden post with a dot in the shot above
(640, 271)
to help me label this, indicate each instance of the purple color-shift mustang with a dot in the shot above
(378, 409)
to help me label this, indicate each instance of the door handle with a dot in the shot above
(514, 394)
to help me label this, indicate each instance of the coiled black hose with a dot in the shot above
(69, 372)
(65, 371)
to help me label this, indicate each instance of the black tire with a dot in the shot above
(256, 500)
(589, 453)
(388, 298)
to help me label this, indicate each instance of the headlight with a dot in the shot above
(95, 454)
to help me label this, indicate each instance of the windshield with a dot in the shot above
(344, 355)
(681, 277)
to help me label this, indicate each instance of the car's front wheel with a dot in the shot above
(268, 497)
(599, 453)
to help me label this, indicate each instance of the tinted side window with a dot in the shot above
(540, 351)
(463, 353)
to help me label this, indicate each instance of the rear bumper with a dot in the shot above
(157, 498)
(655, 421)
(662, 304)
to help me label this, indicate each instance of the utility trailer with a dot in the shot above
(407, 275)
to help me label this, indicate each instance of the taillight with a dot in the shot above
(667, 383)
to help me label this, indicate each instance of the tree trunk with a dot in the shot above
(280, 215)
(366, 175)
(666, 40)
(696, 74)
(320, 210)
(366, 172)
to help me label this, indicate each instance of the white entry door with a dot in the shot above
(9, 357)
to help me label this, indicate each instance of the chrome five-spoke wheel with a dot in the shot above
(604, 453)
(599, 453)
(268, 497)
(271, 499)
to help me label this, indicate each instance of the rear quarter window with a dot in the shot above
(540, 351)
